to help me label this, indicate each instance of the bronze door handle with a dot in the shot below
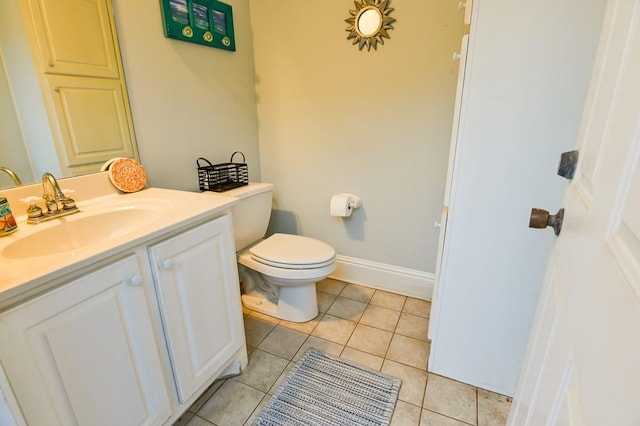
(541, 219)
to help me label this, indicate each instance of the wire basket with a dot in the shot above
(224, 176)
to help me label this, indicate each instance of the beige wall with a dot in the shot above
(187, 100)
(334, 119)
(331, 118)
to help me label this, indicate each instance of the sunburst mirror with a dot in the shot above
(369, 23)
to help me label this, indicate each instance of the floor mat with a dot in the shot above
(326, 390)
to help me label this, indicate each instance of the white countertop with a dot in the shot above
(21, 278)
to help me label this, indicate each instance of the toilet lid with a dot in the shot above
(286, 251)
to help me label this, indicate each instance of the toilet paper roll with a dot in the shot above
(341, 205)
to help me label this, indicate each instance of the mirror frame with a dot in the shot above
(378, 36)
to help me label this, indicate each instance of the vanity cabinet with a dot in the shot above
(134, 341)
(85, 353)
(197, 283)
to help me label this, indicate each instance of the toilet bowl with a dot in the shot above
(277, 274)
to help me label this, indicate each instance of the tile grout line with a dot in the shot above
(424, 397)
(477, 407)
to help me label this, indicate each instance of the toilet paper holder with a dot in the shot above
(355, 202)
(344, 204)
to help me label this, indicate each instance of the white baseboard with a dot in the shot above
(405, 281)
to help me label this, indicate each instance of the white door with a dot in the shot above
(583, 362)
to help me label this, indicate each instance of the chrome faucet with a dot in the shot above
(56, 202)
(14, 177)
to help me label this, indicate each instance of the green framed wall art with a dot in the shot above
(206, 22)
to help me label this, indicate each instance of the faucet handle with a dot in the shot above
(34, 211)
(68, 203)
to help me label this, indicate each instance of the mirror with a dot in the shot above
(14, 158)
(369, 23)
(29, 143)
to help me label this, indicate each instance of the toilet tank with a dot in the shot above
(251, 215)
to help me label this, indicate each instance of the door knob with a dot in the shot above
(541, 219)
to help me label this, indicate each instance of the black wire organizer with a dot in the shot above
(224, 176)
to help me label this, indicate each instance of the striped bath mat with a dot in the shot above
(326, 390)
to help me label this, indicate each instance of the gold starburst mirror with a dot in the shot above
(369, 23)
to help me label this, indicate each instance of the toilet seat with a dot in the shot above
(293, 259)
(293, 252)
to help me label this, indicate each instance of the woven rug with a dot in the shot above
(326, 390)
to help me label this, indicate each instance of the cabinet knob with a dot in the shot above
(134, 280)
(456, 56)
(166, 264)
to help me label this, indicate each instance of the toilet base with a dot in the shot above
(297, 303)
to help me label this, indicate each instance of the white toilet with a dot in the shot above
(279, 273)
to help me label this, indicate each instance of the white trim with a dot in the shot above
(396, 279)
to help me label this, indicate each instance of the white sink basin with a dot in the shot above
(88, 227)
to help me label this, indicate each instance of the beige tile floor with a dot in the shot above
(384, 331)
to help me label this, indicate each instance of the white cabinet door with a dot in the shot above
(85, 353)
(199, 296)
(75, 37)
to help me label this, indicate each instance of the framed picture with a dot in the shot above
(206, 22)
